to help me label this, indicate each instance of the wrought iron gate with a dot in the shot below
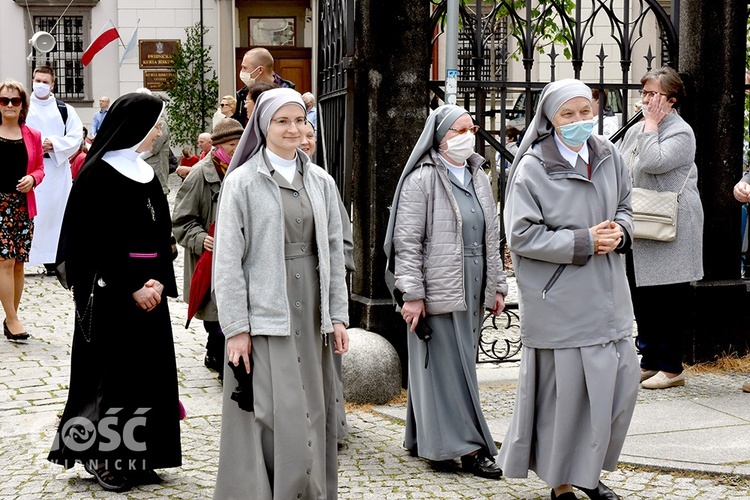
(336, 94)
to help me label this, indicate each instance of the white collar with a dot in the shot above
(458, 171)
(43, 102)
(283, 166)
(129, 164)
(569, 155)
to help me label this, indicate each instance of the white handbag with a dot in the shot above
(655, 212)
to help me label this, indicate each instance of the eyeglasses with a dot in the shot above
(650, 94)
(461, 131)
(15, 101)
(224, 105)
(286, 122)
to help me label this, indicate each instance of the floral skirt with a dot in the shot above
(16, 228)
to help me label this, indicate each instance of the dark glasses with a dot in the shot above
(15, 101)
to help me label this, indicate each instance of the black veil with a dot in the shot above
(128, 121)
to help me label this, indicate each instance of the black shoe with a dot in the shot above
(50, 269)
(13, 336)
(480, 464)
(601, 492)
(565, 496)
(213, 363)
(144, 477)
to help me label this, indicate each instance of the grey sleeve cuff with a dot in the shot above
(583, 246)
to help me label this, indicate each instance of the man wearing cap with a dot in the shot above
(61, 130)
(194, 212)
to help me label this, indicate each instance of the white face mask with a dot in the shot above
(247, 77)
(41, 90)
(459, 148)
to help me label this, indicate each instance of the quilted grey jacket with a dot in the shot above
(428, 243)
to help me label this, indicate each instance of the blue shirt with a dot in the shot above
(96, 122)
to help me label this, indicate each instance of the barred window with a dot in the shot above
(65, 57)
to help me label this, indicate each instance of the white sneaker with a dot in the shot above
(661, 381)
(647, 374)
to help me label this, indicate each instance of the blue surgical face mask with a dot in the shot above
(575, 134)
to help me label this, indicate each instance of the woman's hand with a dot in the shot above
(208, 243)
(149, 296)
(742, 192)
(25, 184)
(240, 346)
(340, 338)
(499, 304)
(412, 311)
(607, 236)
(658, 107)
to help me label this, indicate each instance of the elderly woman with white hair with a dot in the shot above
(569, 220)
(279, 280)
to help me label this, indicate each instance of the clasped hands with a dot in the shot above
(607, 236)
(149, 296)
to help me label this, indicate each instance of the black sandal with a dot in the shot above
(107, 479)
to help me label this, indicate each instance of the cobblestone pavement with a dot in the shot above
(373, 465)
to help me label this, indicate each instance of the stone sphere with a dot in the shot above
(371, 369)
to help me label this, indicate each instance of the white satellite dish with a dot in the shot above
(42, 41)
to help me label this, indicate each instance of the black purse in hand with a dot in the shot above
(243, 394)
(423, 330)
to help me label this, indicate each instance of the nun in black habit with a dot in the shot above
(122, 416)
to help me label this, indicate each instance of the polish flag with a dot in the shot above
(107, 35)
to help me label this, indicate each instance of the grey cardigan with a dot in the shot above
(568, 296)
(249, 267)
(660, 161)
(427, 238)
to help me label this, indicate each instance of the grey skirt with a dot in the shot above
(572, 412)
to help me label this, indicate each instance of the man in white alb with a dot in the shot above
(61, 130)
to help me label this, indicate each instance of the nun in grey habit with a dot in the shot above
(568, 220)
(442, 245)
(279, 281)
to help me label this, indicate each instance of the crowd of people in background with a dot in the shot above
(254, 208)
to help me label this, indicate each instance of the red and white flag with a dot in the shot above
(107, 35)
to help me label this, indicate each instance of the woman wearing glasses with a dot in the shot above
(227, 105)
(568, 219)
(23, 170)
(279, 280)
(443, 252)
(660, 152)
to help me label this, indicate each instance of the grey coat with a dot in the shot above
(194, 211)
(427, 238)
(249, 269)
(661, 161)
(568, 296)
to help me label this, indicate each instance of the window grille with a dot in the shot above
(65, 57)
